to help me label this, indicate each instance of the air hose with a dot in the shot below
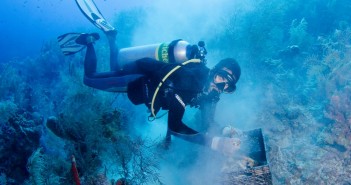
(165, 78)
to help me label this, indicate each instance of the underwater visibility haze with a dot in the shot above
(295, 88)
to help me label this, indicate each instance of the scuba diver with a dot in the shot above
(168, 76)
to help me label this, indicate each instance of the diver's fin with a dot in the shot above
(90, 10)
(68, 43)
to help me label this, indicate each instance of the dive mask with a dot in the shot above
(230, 83)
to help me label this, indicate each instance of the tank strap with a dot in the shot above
(165, 78)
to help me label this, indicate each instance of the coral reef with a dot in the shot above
(323, 115)
(43, 123)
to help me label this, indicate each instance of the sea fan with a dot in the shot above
(37, 167)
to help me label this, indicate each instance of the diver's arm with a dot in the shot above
(177, 128)
(175, 115)
(208, 110)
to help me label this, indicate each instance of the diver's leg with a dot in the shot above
(90, 61)
(115, 65)
(107, 81)
(111, 37)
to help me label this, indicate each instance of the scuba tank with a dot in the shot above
(177, 51)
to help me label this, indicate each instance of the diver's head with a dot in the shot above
(224, 76)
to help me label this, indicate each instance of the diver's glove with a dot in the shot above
(225, 145)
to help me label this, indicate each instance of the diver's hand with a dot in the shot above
(225, 145)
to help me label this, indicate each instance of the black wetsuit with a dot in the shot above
(183, 88)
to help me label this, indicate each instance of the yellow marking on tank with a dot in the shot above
(157, 57)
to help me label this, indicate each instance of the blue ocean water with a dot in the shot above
(27, 25)
(295, 85)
